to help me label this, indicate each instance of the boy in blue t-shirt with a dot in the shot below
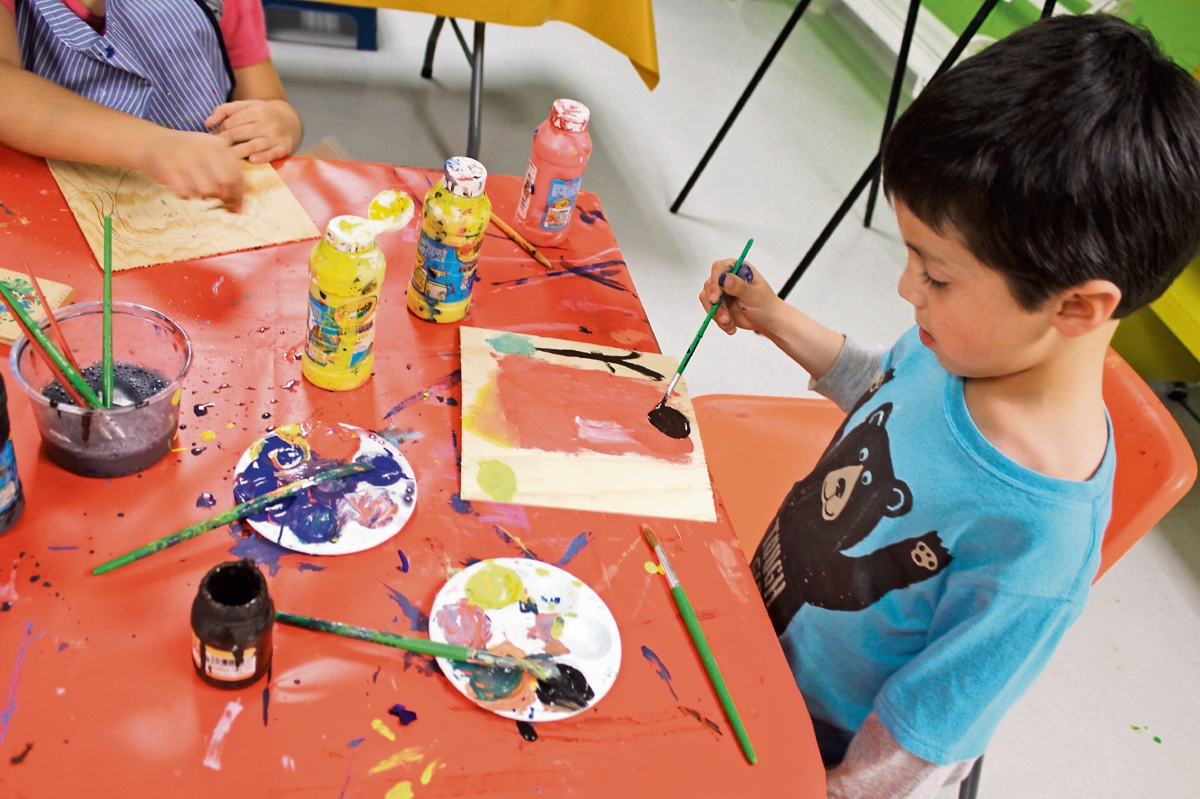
(920, 578)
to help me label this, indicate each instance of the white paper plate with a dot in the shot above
(521, 607)
(335, 517)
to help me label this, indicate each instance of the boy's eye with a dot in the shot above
(933, 284)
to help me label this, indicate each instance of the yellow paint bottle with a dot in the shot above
(456, 216)
(345, 274)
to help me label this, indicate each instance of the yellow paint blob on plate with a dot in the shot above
(497, 479)
(493, 586)
(382, 729)
(401, 790)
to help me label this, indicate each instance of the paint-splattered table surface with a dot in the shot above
(99, 695)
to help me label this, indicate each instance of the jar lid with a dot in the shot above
(350, 234)
(569, 115)
(464, 176)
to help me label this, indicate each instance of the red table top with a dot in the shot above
(97, 671)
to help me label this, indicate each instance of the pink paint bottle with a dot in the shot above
(561, 148)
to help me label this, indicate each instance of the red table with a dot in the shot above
(99, 694)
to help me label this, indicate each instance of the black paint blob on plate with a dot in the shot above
(527, 731)
(669, 421)
(568, 691)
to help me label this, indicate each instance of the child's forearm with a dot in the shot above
(805, 340)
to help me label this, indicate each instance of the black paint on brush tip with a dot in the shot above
(527, 731)
(669, 421)
(568, 691)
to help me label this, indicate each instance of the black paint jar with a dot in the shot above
(232, 620)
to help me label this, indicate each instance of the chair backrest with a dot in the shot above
(757, 447)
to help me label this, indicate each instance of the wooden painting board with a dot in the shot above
(57, 294)
(153, 226)
(569, 431)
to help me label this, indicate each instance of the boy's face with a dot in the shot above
(966, 311)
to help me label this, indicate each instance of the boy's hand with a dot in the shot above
(260, 130)
(748, 303)
(195, 165)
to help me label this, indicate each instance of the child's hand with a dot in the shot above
(749, 303)
(195, 165)
(260, 130)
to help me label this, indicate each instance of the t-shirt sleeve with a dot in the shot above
(878, 767)
(985, 649)
(851, 375)
(245, 31)
(11, 5)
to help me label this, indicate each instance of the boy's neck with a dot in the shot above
(1050, 416)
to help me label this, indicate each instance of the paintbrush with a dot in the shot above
(72, 392)
(80, 392)
(58, 334)
(541, 670)
(521, 242)
(700, 334)
(106, 384)
(693, 626)
(233, 514)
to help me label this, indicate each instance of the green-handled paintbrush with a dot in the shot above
(106, 348)
(544, 670)
(233, 514)
(39, 340)
(693, 626)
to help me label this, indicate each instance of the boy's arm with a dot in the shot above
(878, 767)
(42, 118)
(259, 121)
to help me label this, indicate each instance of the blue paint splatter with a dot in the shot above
(205, 500)
(310, 567)
(259, 550)
(14, 680)
(449, 381)
(418, 620)
(403, 567)
(63, 646)
(61, 549)
(354, 744)
(267, 694)
(508, 539)
(577, 544)
(589, 217)
(659, 668)
(460, 505)
(405, 715)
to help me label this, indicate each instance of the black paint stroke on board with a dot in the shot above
(609, 360)
(601, 273)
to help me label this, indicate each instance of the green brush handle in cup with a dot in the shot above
(51, 351)
(106, 376)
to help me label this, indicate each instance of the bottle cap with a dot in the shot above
(350, 234)
(464, 176)
(569, 115)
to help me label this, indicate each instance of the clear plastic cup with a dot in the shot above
(138, 432)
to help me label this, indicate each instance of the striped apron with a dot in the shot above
(161, 60)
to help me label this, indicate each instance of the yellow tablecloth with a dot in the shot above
(625, 25)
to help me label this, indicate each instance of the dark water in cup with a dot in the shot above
(131, 383)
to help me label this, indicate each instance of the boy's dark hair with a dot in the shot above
(1066, 152)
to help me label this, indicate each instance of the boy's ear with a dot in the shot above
(1083, 308)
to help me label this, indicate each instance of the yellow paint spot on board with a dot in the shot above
(208, 435)
(427, 774)
(654, 568)
(401, 790)
(497, 479)
(382, 729)
(401, 758)
(230, 425)
(493, 586)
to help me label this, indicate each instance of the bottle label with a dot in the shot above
(222, 665)
(443, 273)
(340, 336)
(10, 481)
(527, 191)
(560, 201)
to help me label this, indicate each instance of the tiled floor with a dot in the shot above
(1133, 660)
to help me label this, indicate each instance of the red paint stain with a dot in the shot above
(547, 406)
(332, 441)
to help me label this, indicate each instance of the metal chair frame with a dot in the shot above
(474, 56)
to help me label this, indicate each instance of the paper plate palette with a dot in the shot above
(526, 608)
(335, 517)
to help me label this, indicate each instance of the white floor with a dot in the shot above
(1134, 658)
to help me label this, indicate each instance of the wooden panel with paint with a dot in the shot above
(552, 423)
(57, 294)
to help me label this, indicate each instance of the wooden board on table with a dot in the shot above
(562, 424)
(153, 226)
(57, 294)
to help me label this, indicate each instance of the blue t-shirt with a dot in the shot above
(920, 572)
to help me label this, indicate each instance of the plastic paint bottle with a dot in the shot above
(232, 620)
(561, 148)
(12, 497)
(455, 218)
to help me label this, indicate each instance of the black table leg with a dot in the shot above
(475, 122)
(1048, 9)
(431, 47)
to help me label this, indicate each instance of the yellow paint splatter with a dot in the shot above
(230, 425)
(427, 774)
(493, 586)
(575, 583)
(208, 435)
(175, 397)
(401, 790)
(497, 479)
(654, 568)
(382, 729)
(402, 758)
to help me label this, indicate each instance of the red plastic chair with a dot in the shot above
(757, 447)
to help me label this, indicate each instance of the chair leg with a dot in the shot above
(1048, 9)
(951, 57)
(475, 116)
(462, 42)
(431, 47)
(737, 108)
(968, 788)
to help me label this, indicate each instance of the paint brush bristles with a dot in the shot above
(106, 385)
(521, 242)
(58, 334)
(232, 515)
(61, 368)
(706, 656)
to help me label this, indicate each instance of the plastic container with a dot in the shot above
(12, 496)
(152, 355)
(232, 621)
(561, 148)
(455, 218)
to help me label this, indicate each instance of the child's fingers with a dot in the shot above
(269, 155)
(223, 112)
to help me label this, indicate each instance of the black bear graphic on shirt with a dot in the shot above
(800, 560)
